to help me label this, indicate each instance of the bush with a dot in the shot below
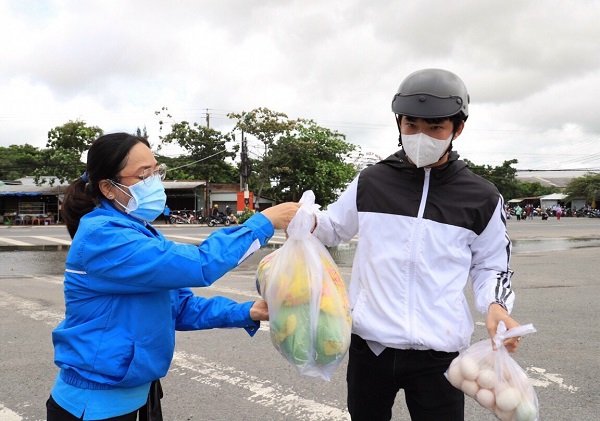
(245, 215)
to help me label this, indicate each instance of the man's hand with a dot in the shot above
(496, 314)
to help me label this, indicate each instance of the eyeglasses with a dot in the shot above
(149, 174)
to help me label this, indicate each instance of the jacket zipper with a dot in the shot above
(416, 241)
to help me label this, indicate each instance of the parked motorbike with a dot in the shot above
(220, 218)
(183, 217)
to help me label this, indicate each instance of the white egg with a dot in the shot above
(470, 387)
(504, 415)
(454, 376)
(508, 399)
(490, 361)
(469, 368)
(486, 379)
(485, 398)
(526, 411)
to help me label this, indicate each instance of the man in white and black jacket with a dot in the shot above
(425, 223)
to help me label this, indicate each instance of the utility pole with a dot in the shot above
(207, 118)
(245, 170)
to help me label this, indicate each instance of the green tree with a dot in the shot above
(267, 126)
(142, 133)
(18, 161)
(73, 135)
(207, 150)
(65, 145)
(503, 177)
(310, 158)
(587, 186)
(534, 189)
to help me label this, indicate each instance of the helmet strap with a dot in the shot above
(398, 119)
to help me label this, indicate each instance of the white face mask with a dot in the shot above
(424, 150)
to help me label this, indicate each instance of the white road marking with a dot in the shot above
(264, 392)
(196, 240)
(227, 290)
(8, 415)
(539, 378)
(264, 326)
(13, 242)
(546, 379)
(30, 309)
(52, 239)
(276, 239)
(213, 374)
(58, 280)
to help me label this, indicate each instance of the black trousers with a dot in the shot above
(151, 411)
(374, 381)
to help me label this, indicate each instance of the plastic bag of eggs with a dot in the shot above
(495, 381)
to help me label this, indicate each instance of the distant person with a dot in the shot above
(558, 212)
(426, 225)
(127, 289)
(531, 212)
(518, 212)
(167, 214)
(215, 210)
(507, 211)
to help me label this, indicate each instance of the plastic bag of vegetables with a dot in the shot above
(309, 310)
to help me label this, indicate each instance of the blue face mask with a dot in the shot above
(148, 198)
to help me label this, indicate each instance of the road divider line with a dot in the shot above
(213, 373)
(544, 379)
(264, 326)
(197, 240)
(226, 290)
(30, 309)
(8, 415)
(265, 393)
(194, 240)
(58, 280)
(52, 239)
(13, 242)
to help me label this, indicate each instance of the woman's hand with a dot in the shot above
(281, 215)
(259, 311)
(496, 314)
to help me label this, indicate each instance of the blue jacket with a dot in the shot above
(126, 294)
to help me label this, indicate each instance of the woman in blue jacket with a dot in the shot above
(127, 287)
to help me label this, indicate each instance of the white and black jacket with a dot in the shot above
(421, 233)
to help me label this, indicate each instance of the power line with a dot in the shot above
(561, 170)
(195, 162)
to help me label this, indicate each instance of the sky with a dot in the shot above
(532, 69)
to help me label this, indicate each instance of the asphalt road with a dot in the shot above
(226, 375)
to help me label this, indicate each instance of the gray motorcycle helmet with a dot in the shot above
(431, 93)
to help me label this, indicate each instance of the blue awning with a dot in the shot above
(13, 193)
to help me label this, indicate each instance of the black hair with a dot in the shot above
(106, 158)
(455, 119)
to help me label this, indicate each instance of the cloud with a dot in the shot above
(532, 68)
